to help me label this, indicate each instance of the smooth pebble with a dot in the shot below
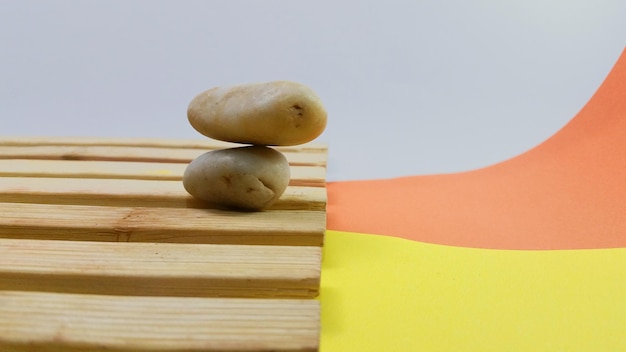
(250, 178)
(271, 113)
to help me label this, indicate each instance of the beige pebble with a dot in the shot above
(250, 178)
(271, 113)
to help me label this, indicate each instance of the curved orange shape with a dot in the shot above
(567, 193)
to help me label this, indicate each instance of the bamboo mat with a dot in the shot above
(102, 249)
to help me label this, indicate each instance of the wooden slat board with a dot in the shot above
(175, 225)
(140, 150)
(102, 231)
(133, 193)
(159, 269)
(52, 322)
(300, 175)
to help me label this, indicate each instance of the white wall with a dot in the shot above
(412, 87)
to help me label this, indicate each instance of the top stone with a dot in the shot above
(276, 113)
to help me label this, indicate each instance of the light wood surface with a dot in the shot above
(146, 150)
(165, 143)
(52, 322)
(176, 225)
(159, 269)
(102, 249)
(314, 176)
(133, 193)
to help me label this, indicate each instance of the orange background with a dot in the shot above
(568, 192)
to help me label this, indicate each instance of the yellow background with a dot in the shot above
(383, 293)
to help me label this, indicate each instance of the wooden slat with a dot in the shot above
(312, 157)
(133, 193)
(67, 285)
(178, 225)
(159, 269)
(313, 176)
(47, 322)
(200, 143)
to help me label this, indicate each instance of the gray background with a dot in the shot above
(412, 87)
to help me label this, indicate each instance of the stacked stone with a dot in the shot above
(260, 115)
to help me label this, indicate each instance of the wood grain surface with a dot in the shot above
(102, 249)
